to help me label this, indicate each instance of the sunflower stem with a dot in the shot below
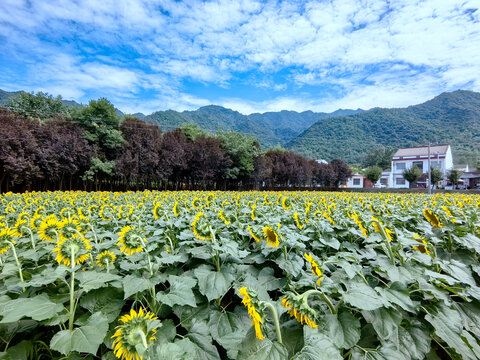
(108, 266)
(18, 265)
(31, 238)
(72, 290)
(324, 297)
(275, 319)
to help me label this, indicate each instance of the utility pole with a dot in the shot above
(429, 172)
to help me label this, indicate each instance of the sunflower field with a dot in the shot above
(239, 275)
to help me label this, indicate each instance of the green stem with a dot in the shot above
(72, 290)
(324, 297)
(18, 265)
(275, 319)
(171, 243)
(108, 266)
(217, 255)
(31, 238)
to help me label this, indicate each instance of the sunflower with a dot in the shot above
(69, 227)
(301, 316)
(67, 212)
(23, 216)
(270, 236)
(253, 235)
(297, 221)
(79, 246)
(315, 267)
(196, 203)
(423, 248)
(286, 203)
(176, 211)
(21, 228)
(105, 259)
(82, 223)
(199, 227)
(6, 239)
(252, 312)
(130, 240)
(49, 228)
(432, 218)
(107, 212)
(156, 213)
(222, 217)
(138, 328)
(35, 221)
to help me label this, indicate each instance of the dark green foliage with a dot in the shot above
(454, 176)
(373, 173)
(412, 174)
(379, 156)
(436, 175)
(450, 118)
(40, 106)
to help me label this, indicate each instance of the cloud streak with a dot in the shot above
(317, 55)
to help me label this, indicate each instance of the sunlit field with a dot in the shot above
(239, 275)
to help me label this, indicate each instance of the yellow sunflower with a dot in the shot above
(252, 312)
(21, 228)
(270, 236)
(6, 239)
(200, 227)
(432, 218)
(286, 203)
(298, 314)
(314, 266)
(105, 259)
(80, 247)
(49, 228)
(137, 328)
(130, 240)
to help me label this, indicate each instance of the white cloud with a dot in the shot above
(371, 52)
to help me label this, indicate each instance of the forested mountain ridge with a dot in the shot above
(270, 128)
(452, 118)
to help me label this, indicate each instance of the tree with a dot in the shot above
(341, 170)
(40, 106)
(242, 149)
(435, 175)
(373, 173)
(478, 164)
(412, 174)
(380, 156)
(454, 176)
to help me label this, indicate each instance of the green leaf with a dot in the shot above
(166, 332)
(90, 280)
(342, 329)
(213, 284)
(255, 349)
(414, 341)
(363, 297)
(180, 291)
(385, 322)
(448, 327)
(179, 350)
(228, 330)
(109, 301)
(199, 335)
(398, 294)
(132, 284)
(317, 347)
(85, 339)
(20, 351)
(38, 308)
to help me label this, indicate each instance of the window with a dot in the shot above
(356, 181)
(418, 164)
(383, 181)
(400, 165)
(400, 181)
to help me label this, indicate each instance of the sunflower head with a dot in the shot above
(270, 236)
(286, 203)
(432, 218)
(105, 259)
(21, 228)
(251, 302)
(69, 227)
(82, 223)
(157, 211)
(78, 245)
(201, 227)
(137, 328)
(6, 239)
(67, 212)
(49, 228)
(299, 309)
(130, 240)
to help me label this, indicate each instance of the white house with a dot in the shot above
(440, 158)
(356, 181)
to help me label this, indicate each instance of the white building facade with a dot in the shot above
(440, 158)
(356, 181)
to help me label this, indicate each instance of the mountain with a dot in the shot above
(271, 128)
(452, 118)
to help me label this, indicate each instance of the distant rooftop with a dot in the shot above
(422, 150)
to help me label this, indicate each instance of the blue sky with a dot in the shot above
(251, 56)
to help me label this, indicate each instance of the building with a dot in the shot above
(440, 158)
(357, 181)
(471, 179)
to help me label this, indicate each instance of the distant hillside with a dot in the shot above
(271, 128)
(6, 95)
(452, 118)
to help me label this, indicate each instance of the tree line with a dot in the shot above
(46, 145)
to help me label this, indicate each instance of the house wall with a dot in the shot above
(352, 184)
(442, 161)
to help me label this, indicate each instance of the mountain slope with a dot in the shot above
(452, 118)
(271, 128)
